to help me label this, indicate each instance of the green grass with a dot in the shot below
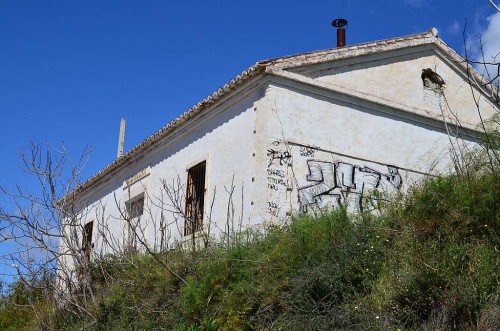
(429, 261)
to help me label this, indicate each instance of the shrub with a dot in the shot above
(427, 261)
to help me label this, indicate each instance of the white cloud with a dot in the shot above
(453, 29)
(491, 43)
(415, 3)
(484, 45)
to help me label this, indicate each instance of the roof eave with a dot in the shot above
(221, 92)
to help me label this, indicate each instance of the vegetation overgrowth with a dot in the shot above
(429, 260)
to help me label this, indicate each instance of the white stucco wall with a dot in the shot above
(223, 136)
(341, 146)
(294, 141)
(396, 76)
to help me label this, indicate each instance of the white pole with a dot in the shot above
(121, 138)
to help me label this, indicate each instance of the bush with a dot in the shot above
(428, 261)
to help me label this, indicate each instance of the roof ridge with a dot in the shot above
(289, 58)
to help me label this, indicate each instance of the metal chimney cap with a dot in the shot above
(339, 22)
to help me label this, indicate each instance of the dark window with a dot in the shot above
(195, 198)
(87, 238)
(136, 208)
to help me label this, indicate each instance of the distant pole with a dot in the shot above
(121, 138)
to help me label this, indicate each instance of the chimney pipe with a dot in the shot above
(339, 23)
(340, 37)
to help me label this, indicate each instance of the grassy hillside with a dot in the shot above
(428, 261)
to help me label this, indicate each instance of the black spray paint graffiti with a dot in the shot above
(273, 208)
(275, 183)
(278, 182)
(340, 183)
(307, 151)
(278, 157)
(275, 172)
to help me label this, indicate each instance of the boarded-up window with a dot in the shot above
(195, 198)
(87, 239)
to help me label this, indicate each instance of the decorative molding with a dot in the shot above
(137, 176)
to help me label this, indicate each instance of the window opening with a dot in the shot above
(432, 80)
(195, 198)
(135, 210)
(87, 239)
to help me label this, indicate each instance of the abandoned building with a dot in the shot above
(291, 134)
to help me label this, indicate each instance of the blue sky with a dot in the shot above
(69, 70)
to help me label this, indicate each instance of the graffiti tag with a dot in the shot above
(275, 172)
(273, 208)
(307, 151)
(338, 183)
(281, 158)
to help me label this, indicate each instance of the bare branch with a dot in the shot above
(497, 8)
